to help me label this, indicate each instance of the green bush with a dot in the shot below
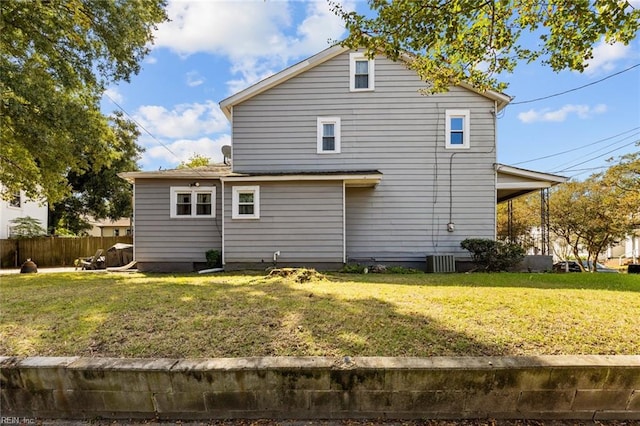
(26, 227)
(353, 268)
(214, 258)
(493, 256)
(402, 270)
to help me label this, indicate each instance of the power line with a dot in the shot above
(577, 148)
(576, 88)
(569, 164)
(597, 156)
(141, 126)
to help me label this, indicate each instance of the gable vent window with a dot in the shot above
(328, 135)
(190, 202)
(457, 129)
(361, 73)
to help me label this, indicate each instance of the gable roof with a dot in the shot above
(227, 104)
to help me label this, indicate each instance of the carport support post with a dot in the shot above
(510, 221)
(544, 221)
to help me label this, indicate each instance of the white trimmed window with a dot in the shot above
(193, 202)
(328, 135)
(245, 202)
(457, 129)
(361, 73)
(15, 200)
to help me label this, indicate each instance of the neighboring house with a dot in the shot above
(336, 159)
(109, 228)
(20, 206)
(627, 250)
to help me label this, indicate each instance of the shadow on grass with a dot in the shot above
(176, 317)
(577, 281)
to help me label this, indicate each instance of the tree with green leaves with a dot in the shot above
(450, 41)
(196, 160)
(99, 193)
(591, 215)
(525, 217)
(624, 177)
(56, 59)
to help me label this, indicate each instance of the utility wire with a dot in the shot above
(141, 126)
(575, 88)
(597, 156)
(569, 163)
(577, 148)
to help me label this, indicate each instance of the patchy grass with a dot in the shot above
(232, 315)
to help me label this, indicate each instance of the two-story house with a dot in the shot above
(338, 158)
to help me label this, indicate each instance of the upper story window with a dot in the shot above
(457, 129)
(361, 73)
(328, 135)
(193, 202)
(15, 200)
(245, 202)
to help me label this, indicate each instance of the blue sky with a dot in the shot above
(212, 49)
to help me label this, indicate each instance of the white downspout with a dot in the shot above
(223, 216)
(344, 224)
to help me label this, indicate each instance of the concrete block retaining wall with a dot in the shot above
(545, 387)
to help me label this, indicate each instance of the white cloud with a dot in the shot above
(233, 29)
(183, 149)
(112, 94)
(183, 121)
(250, 71)
(151, 60)
(258, 37)
(194, 79)
(581, 111)
(605, 57)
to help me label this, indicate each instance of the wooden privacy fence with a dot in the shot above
(54, 251)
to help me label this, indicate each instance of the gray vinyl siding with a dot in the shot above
(160, 238)
(302, 220)
(394, 129)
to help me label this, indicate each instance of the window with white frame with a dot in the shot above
(187, 201)
(361, 72)
(328, 135)
(245, 202)
(15, 200)
(457, 129)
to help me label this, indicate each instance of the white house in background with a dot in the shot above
(628, 250)
(20, 206)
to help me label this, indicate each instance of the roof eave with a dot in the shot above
(530, 174)
(226, 105)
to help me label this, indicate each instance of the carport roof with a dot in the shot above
(513, 182)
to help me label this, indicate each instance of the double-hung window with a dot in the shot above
(193, 202)
(361, 73)
(245, 202)
(457, 129)
(328, 135)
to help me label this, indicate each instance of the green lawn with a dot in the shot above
(233, 315)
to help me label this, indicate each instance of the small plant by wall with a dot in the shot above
(214, 258)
